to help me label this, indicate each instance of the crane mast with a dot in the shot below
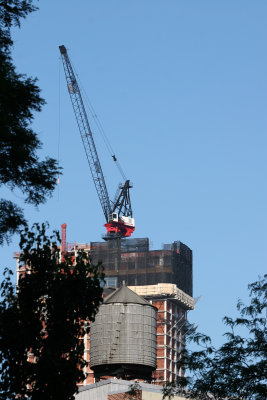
(118, 214)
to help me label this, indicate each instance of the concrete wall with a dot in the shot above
(101, 390)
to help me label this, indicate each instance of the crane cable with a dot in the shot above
(102, 132)
(99, 125)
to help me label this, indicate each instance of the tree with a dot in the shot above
(237, 369)
(45, 319)
(134, 392)
(20, 166)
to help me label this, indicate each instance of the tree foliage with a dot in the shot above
(237, 369)
(134, 392)
(45, 319)
(20, 166)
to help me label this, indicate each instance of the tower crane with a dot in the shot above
(118, 213)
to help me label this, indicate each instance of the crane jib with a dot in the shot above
(86, 134)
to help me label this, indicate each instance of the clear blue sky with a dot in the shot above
(180, 87)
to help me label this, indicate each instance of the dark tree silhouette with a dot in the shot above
(44, 319)
(20, 166)
(238, 369)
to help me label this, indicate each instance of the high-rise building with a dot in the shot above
(164, 278)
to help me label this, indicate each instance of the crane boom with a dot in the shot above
(118, 214)
(86, 134)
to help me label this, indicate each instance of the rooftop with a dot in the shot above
(125, 295)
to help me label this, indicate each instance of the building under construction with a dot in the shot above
(130, 260)
(164, 278)
(172, 305)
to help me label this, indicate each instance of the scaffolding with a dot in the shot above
(172, 304)
(132, 261)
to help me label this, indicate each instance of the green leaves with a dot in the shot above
(11, 218)
(20, 166)
(46, 318)
(237, 369)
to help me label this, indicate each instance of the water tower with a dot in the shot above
(123, 337)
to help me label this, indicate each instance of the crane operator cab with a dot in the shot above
(122, 226)
(114, 217)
